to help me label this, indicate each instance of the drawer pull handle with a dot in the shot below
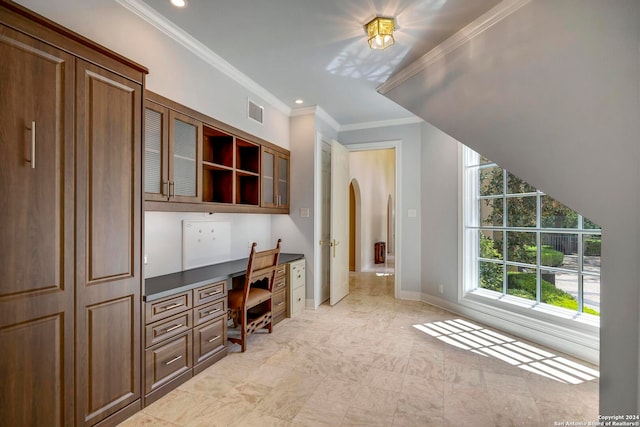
(172, 306)
(213, 293)
(212, 311)
(173, 328)
(214, 338)
(279, 304)
(175, 359)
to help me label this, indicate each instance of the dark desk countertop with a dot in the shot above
(174, 283)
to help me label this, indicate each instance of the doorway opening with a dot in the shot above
(372, 191)
(365, 225)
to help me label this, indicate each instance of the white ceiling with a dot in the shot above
(317, 50)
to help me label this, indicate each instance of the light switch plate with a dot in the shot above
(304, 212)
(412, 213)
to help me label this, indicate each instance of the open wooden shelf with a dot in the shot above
(247, 188)
(247, 156)
(217, 184)
(217, 147)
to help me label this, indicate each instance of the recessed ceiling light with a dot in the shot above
(179, 3)
(299, 101)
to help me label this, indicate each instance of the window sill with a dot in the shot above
(545, 311)
(555, 327)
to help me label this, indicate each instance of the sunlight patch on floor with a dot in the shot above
(468, 336)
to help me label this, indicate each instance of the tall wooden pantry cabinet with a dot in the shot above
(70, 226)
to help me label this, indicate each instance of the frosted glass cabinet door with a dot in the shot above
(268, 171)
(275, 179)
(283, 181)
(185, 141)
(156, 170)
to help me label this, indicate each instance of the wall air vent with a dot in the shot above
(256, 112)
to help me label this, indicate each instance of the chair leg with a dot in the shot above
(233, 315)
(243, 333)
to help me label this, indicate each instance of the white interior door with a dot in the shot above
(325, 222)
(339, 223)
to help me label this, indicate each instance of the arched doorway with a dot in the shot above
(354, 224)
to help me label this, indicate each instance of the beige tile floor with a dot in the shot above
(364, 363)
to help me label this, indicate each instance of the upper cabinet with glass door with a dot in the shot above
(194, 163)
(172, 145)
(275, 179)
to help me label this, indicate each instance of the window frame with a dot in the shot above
(470, 291)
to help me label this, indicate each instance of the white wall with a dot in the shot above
(297, 232)
(164, 241)
(552, 93)
(375, 173)
(439, 207)
(409, 197)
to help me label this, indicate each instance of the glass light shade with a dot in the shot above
(380, 32)
(179, 3)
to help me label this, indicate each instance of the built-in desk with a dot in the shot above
(185, 318)
(169, 284)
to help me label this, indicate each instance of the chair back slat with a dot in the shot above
(261, 265)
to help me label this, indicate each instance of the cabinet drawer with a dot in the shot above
(281, 270)
(211, 311)
(209, 293)
(297, 274)
(167, 307)
(279, 302)
(280, 283)
(208, 339)
(167, 360)
(167, 328)
(297, 301)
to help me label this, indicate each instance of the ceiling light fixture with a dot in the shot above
(299, 101)
(380, 32)
(179, 3)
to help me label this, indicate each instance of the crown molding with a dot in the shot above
(319, 113)
(475, 28)
(154, 18)
(328, 119)
(381, 123)
(303, 111)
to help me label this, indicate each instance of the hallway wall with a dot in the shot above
(408, 258)
(375, 172)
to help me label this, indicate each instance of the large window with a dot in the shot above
(524, 244)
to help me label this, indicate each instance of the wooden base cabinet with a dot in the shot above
(70, 208)
(280, 294)
(184, 334)
(296, 279)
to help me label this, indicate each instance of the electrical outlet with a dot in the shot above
(441, 288)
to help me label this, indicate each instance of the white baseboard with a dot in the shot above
(409, 295)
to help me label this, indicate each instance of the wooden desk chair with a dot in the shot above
(250, 307)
